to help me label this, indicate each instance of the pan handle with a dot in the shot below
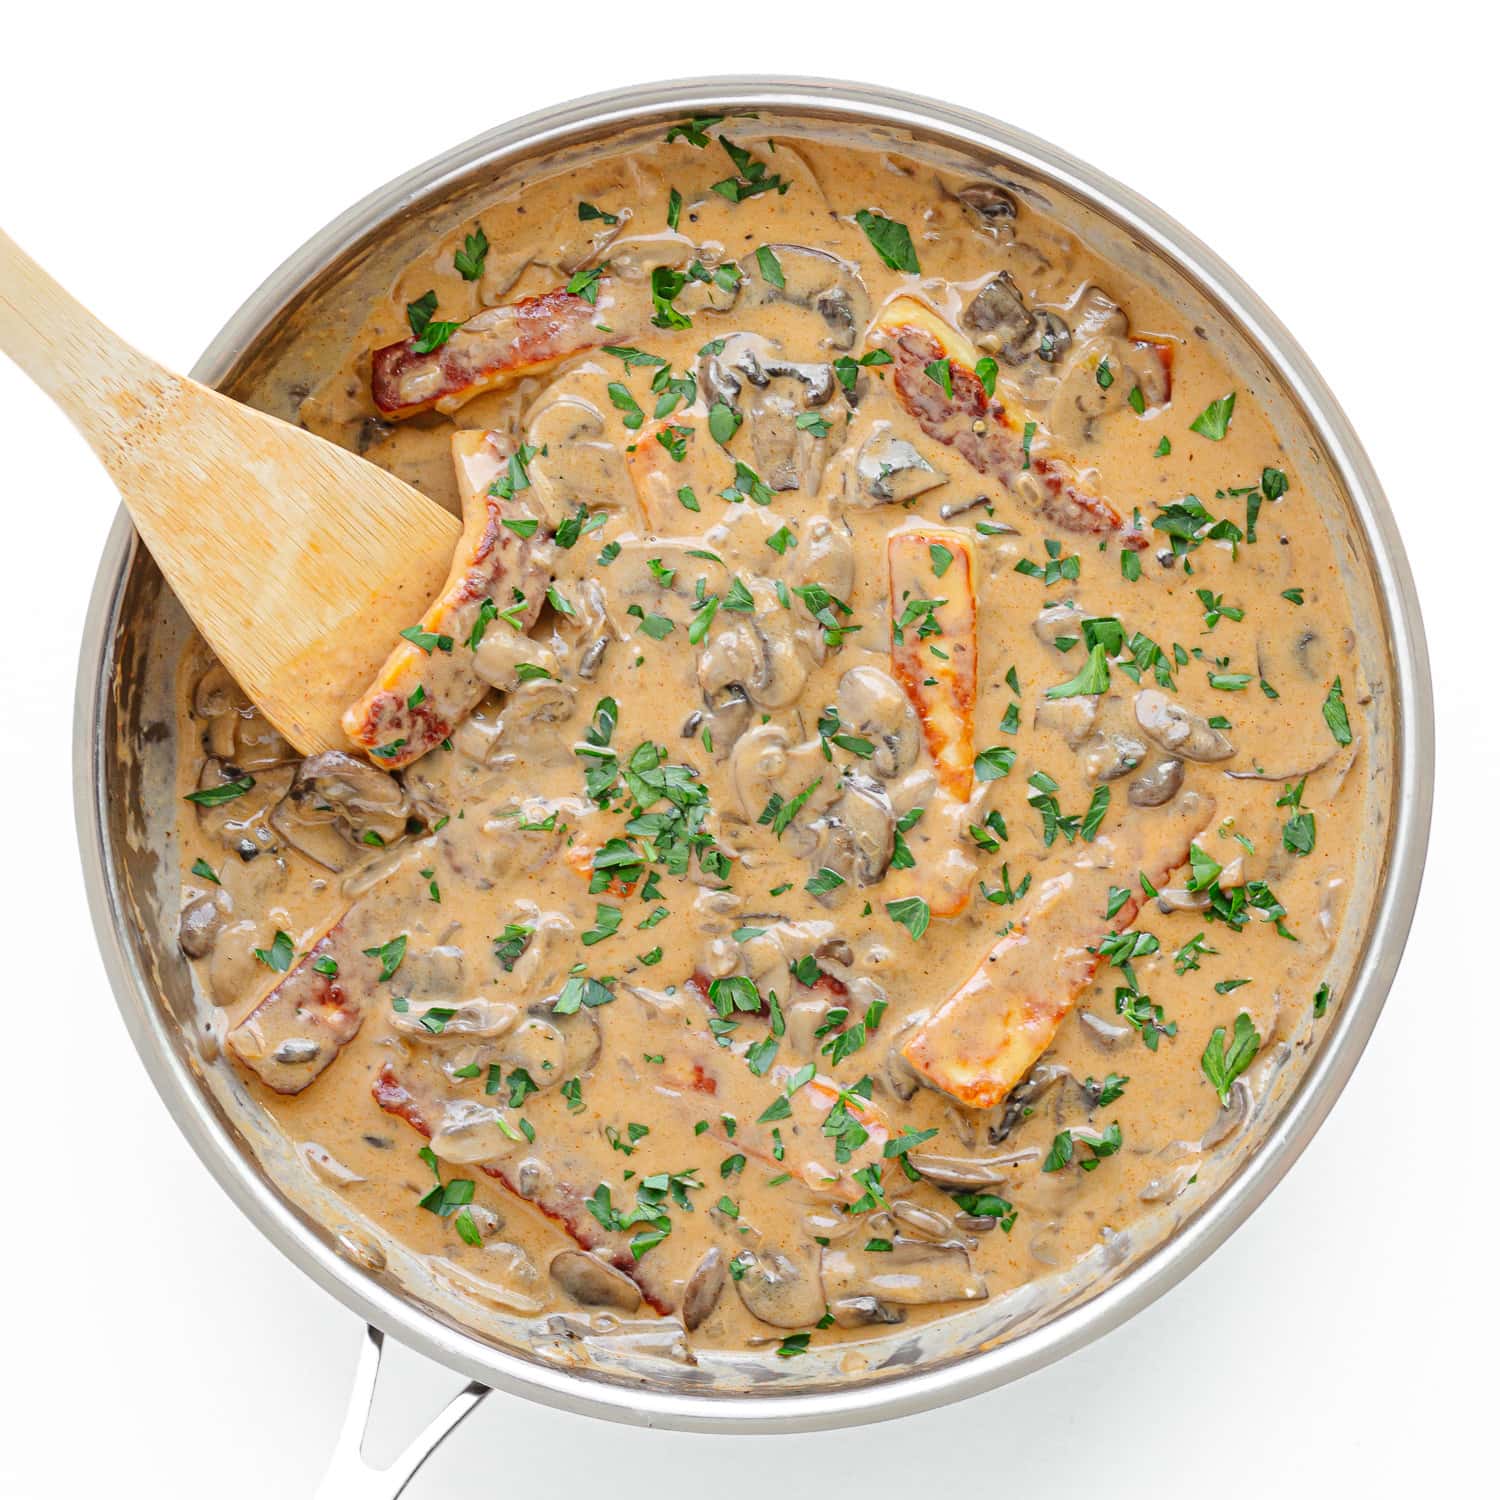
(348, 1476)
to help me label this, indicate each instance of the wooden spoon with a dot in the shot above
(299, 562)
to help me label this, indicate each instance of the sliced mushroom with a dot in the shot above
(777, 1289)
(249, 740)
(922, 1223)
(864, 1312)
(779, 400)
(532, 718)
(326, 1167)
(825, 555)
(1311, 654)
(552, 1047)
(758, 761)
(574, 462)
(1059, 621)
(635, 257)
(787, 665)
(338, 803)
(509, 1280)
(1158, 783)
(1095, 314)
(873, 704)
(1230, 1119)
(804, 1020)
(900, 1077)
(1104, 1033)
(856, 836)
(1049, 339)
(1295, 774)
(969, 1172)
(762, 657)
(788, 454)
(199, 926)
(1178, 729)
(1107, 756)
(912, 1273)
(218, 693)
(998, 319)
(469, 1132)
(469, 1019)
(1178, 898)
(815, 280)
(243, 822)
(704, 1288)
(584, 241)
(1023, 1100)
(735, 657)
(725, 719)
(888, 468)
(589, 1280)
(592, 657)
(1072, 718)
(990, 202)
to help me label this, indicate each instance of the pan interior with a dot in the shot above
(282, 346)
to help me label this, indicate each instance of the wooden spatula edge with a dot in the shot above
(299, 562)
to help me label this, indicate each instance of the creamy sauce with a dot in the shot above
(745, 932)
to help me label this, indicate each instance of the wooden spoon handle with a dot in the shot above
(107, 388)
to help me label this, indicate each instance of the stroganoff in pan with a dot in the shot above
(883, 772)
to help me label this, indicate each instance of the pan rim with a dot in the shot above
(1300, 1117)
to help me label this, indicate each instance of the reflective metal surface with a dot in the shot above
(131, 633)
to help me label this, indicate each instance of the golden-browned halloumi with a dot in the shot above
(304, 1017)
(952, 407)
(986, 1036)
(660, 465)
(934, 648)
(493, 347)
(429, 683)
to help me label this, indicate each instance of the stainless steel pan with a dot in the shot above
(134, 631)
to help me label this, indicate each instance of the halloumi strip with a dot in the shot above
(982, 429)
(795, 1142)
(562, 1201)
(305, 1017)
(935, 652)
(427, 687)
(496, 346)
(658, 477)
(986, 1036)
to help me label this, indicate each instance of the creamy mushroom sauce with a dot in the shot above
(655, 947)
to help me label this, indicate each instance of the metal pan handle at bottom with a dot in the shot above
(349, 1476)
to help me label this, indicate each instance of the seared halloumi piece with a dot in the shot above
(989, 1033)
(934, 645)
(933, 373)
(494, 347)
(429, 683)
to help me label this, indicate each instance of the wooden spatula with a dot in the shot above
(299, 562)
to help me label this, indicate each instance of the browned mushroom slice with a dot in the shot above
(864, 1286)
(934, 649)
(986, 1036)
(950, 405)
(498, 345)
(542, 1184)
(429, 683)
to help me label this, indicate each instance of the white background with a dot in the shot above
(162, 160)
